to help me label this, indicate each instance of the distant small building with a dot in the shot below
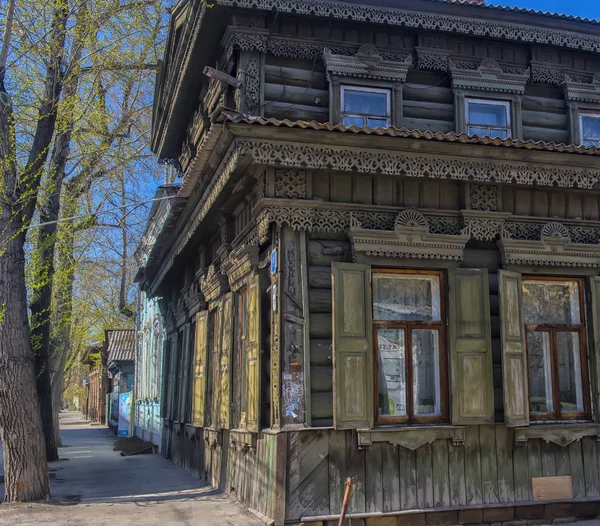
(97, 385)
(120, 350)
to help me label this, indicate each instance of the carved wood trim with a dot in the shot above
(560, 435)
(412, 437)
(212, 437)
(213, 284)
(240, 264)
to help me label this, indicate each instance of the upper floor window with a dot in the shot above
(553, 313)
(409, 346)
(365, 107)
(589, 124)
(489, 118)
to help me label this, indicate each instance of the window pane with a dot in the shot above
(503, 134)
(406, 297)
(569, 372)
(589, 143)
(365, 102)
(426, 372)
(551, 302)
(357, 121)
(591, 127)
(392, 376)
(480, 132)
(540, 375)
(487, 114)
(374, 123)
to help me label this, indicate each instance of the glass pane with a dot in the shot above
(503, 134)
(589, 143)
(392, 376)
(487, 114)
(406, 297)
(365, 102)
(540, 375)
(357, 121)
(374, 123)
(551, 302)
(426, 372)
(591, 127)
(480, 132)
(569, 372)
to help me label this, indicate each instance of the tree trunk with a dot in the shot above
(25, 468)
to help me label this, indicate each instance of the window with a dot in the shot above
(589, 124)
(213, 365)
(553, 313)
(240, 373)
(409, 346)
(489, 118)
(365, 107)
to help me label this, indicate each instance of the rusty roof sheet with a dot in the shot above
(121, 345)
(235, 117)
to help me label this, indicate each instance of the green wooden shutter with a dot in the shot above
(472, 388)
(216, 364)
(352, 347)
(595, 349)
(253, 357)
(200, 359)
(514, 359)
(225, 362)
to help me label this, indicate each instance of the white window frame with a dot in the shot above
(490, 102)
(366, 116)
(583, 115)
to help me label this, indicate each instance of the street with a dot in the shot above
(93, 484)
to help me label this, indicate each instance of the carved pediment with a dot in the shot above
(409, 239)
(193, 298)
(367, 63)
(240, 263)
(488, 76)
(413, 437)
(553, 248)
(579, 89)
(561, 436)
(213, 284)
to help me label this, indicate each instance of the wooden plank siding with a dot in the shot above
(489, 469)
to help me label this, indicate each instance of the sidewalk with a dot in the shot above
(92, 484)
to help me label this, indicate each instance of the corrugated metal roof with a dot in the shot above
(526, 10)
(121, 345)
(462, 138)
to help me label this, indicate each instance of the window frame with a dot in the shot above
(581, 116)
(241, 352)
(553, 329)
(408, 326)
(507, 104)
(365, 116)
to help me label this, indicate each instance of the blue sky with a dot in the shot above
(583, 8)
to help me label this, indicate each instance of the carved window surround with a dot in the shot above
(554, 248)
(410, 238)
(580, 96)
(561, 435)
(212, 437)
(214, 284)
(240, 264)
(412, 437)
(367, 67)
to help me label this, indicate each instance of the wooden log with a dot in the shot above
(545, 119)
(428, 110)
(296, 112)
(545, 134)
(322, 405)
(321, 352)
(415, 92)
(325, 252)
(429, 125)
(319, 300)
(317, 98)
(537, 103)
(320, 326)
(319, 277)
(321, 378)
(294, 76)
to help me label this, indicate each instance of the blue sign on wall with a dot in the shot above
(124, 414)
(273, 261)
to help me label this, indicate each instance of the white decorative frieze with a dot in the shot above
(367, 63)
(290, 184)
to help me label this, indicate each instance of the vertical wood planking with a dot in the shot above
(504, 457)
(472, 465)
(337, 469)
(588, 445)
(456, 464)
(563, 464)
(576, 461)
(391, 478)
(424, 477)
(548, 460)
(441, 480)
(521, 471)
(374, 478)
(408, 478)
(489, 468)
(534, 450)
(355, 465)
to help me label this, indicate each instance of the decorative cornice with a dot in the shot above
(405, 164)
(410, 238)
(366, 63)
(214, 284)
(582, 91)
(240, 263)
(489, 76)
(412, 437)
(483, 26)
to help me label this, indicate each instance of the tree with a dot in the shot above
(25, 467)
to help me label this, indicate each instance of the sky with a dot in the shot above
(583, 8)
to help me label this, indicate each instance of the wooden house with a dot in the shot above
(382, 259)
